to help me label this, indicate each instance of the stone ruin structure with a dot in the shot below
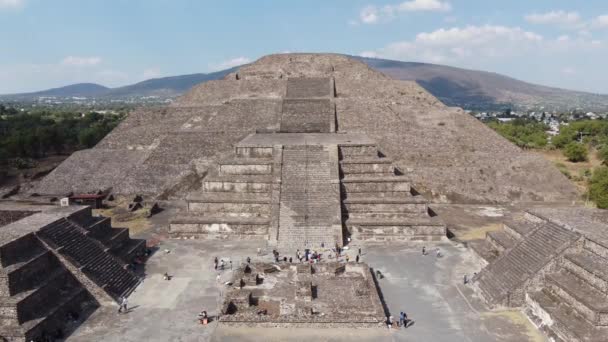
(320, 295)
(448, 155)
(59, 264)
(302, 184)
(553, 263)
(305, 151)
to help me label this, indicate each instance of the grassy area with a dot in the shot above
(479, 233)
(574, 171)
(136, 221)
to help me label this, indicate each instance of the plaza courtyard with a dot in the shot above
(429, 289)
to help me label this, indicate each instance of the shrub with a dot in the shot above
(602, 154)
(575, 152)
(598, 187)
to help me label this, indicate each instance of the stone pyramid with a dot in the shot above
(447, 154)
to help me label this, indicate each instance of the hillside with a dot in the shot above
(469, 89)
(473, 89)
(77, 90)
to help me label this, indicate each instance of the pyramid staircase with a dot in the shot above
(310, 199)
(572, 303)
(90, 256)
(37, 292)
(558, 275)
(379, 205)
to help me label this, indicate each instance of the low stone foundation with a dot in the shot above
(303, 295)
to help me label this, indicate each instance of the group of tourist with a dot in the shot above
(221, 264)
(403, 322)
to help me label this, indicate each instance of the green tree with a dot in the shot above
(598, 187)
(602, 154)
(575, 152)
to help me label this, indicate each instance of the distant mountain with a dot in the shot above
(473, 89)
(167, 86)
(469, 89)
(77, 90)
(163, 87)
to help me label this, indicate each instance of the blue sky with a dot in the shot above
(49, 43)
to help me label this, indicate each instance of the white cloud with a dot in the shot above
(508, 50)
(369, 15)
(373, 14)
(601, 21)
(230, 63)
(475, 35)
(447, 45)
(11, 3)
(563, 19)
(81, 61)
(151, 73)
(424, 5)
(554, 17)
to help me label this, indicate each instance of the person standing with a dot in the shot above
(357, 259)
(123, 305)
(423, 250)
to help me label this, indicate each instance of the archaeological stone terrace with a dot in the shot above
(57, 263)
(319, 295)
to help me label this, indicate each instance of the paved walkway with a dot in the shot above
(427, 288)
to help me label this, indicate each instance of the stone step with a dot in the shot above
(590, 267)
(218, 227)
(309, 87)
(394, 184)
(563, 322)
(246, 166)
(231, 209)
(509, 272)
(413, 204)
(367, 166)
(254, 151)
(414, 229)
(238, 183)
(129, 250)
(85, 252)
(519, 227)
(35, 302)
(484, 249)
(501, 240)
(100, 228)
(587, 300)
(115, 237)
(28, 274)
(383, 216)
(18, 252)
(357, 151)
(77, 301)
(228, 197)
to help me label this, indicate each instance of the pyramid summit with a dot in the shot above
(448, 155)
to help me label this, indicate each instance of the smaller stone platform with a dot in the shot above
(297, 295)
